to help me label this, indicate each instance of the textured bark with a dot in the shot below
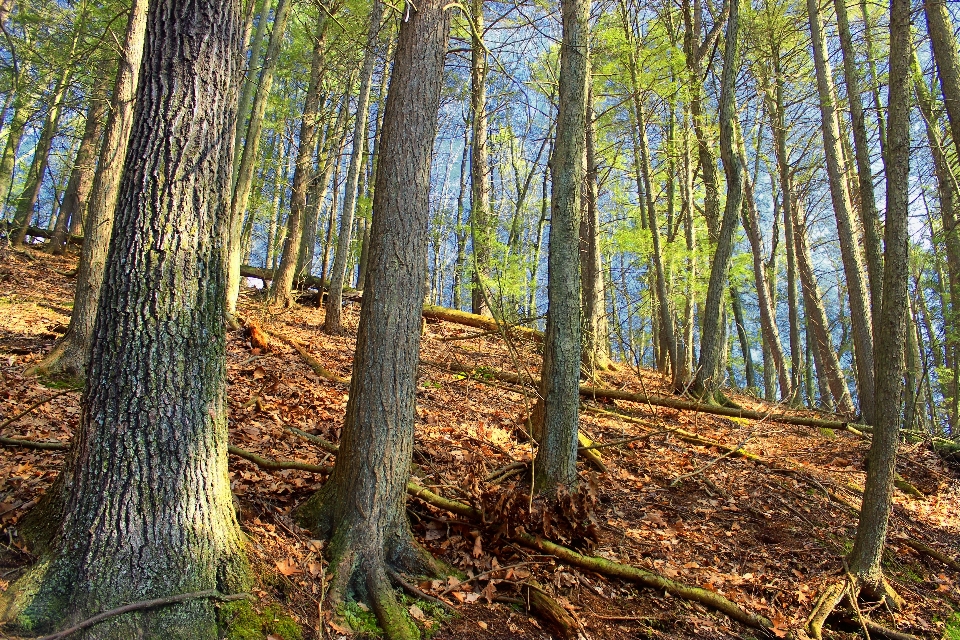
(712, 335)
(244, 170)
(480, 212)
(69, 355)
(303, 172)
(843, 211)
(555, 464)
(460, 233)
(869, 217)
(331, 321)
(891, 330)
(148, 509)
(828, 367)
(361, 507)
(75, 199)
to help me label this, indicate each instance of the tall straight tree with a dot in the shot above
(480, 211)
(556, 462)
(69, 355)
(853, 267)
(148, 510)
(891, 330)
(361, 507)
(706, 383)
(303, 171)
(331, 322)
(245, 159)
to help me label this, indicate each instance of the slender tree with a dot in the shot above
(361, 507)
(555, 464)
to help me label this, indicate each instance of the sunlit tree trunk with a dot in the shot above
(480, 212)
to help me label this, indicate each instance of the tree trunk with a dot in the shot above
(303, 172)
(148, 511)
(825, 354)
(461, 231)
(480, 213)
(74, 205)
(768, 313)
(596, 339)
(331, 322)
(251, 148)
(869, 217)
(555, 464)
(18, 122)
(27, 201)
(891, 330)
(712, 341)
(69, 355)
(846, 226)
(361, 507)
(744, 341)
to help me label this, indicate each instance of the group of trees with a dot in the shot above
(621, 147)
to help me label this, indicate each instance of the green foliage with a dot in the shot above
(952, 629)
(360, 619)
(244, 622)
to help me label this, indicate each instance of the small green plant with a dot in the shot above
(244, 622)
(431, 384)
(952, 629)
(360, 619)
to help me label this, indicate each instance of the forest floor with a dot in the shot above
(768, 540)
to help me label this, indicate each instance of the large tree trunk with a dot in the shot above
(148, 510)
(69, 355)
(331, 322)
(556, 462)
(361, 507)
(84, 169)
(712, 335)
(891, 330)
(243, 179)
(303, 172)
(480, 213)
(843, 211)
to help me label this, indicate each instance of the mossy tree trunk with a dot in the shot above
(361, 508)
(556, 461)
(148, 511)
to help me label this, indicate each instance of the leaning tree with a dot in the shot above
(146, 506)
(361, 507)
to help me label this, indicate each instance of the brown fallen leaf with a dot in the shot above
(287, 567)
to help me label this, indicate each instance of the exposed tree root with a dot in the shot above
(826, 603)
(211, 594)
(277, 465)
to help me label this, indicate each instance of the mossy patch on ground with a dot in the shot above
(243, 621)
(952, 629)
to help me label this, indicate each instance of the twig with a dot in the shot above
(275, 465)
(325, 444)
(39, 403)
(413, 590)
(52, 445)
(147, 604)
(481, 576)
(712, 462)
(502, 470)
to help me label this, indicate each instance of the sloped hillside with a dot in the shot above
(758, 511)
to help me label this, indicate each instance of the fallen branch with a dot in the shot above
(479, 322)
(212, 594)
(52, 445)
(730, 452)
(312, 362)
(416, 592)
(325, 444)
(39, 403)
(663, 401)
(548, 609)
(930, 551)
(277, 465)
(646, 578)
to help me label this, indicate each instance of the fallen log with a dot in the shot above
(433, 312)
(591, 391)
(38, 232)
